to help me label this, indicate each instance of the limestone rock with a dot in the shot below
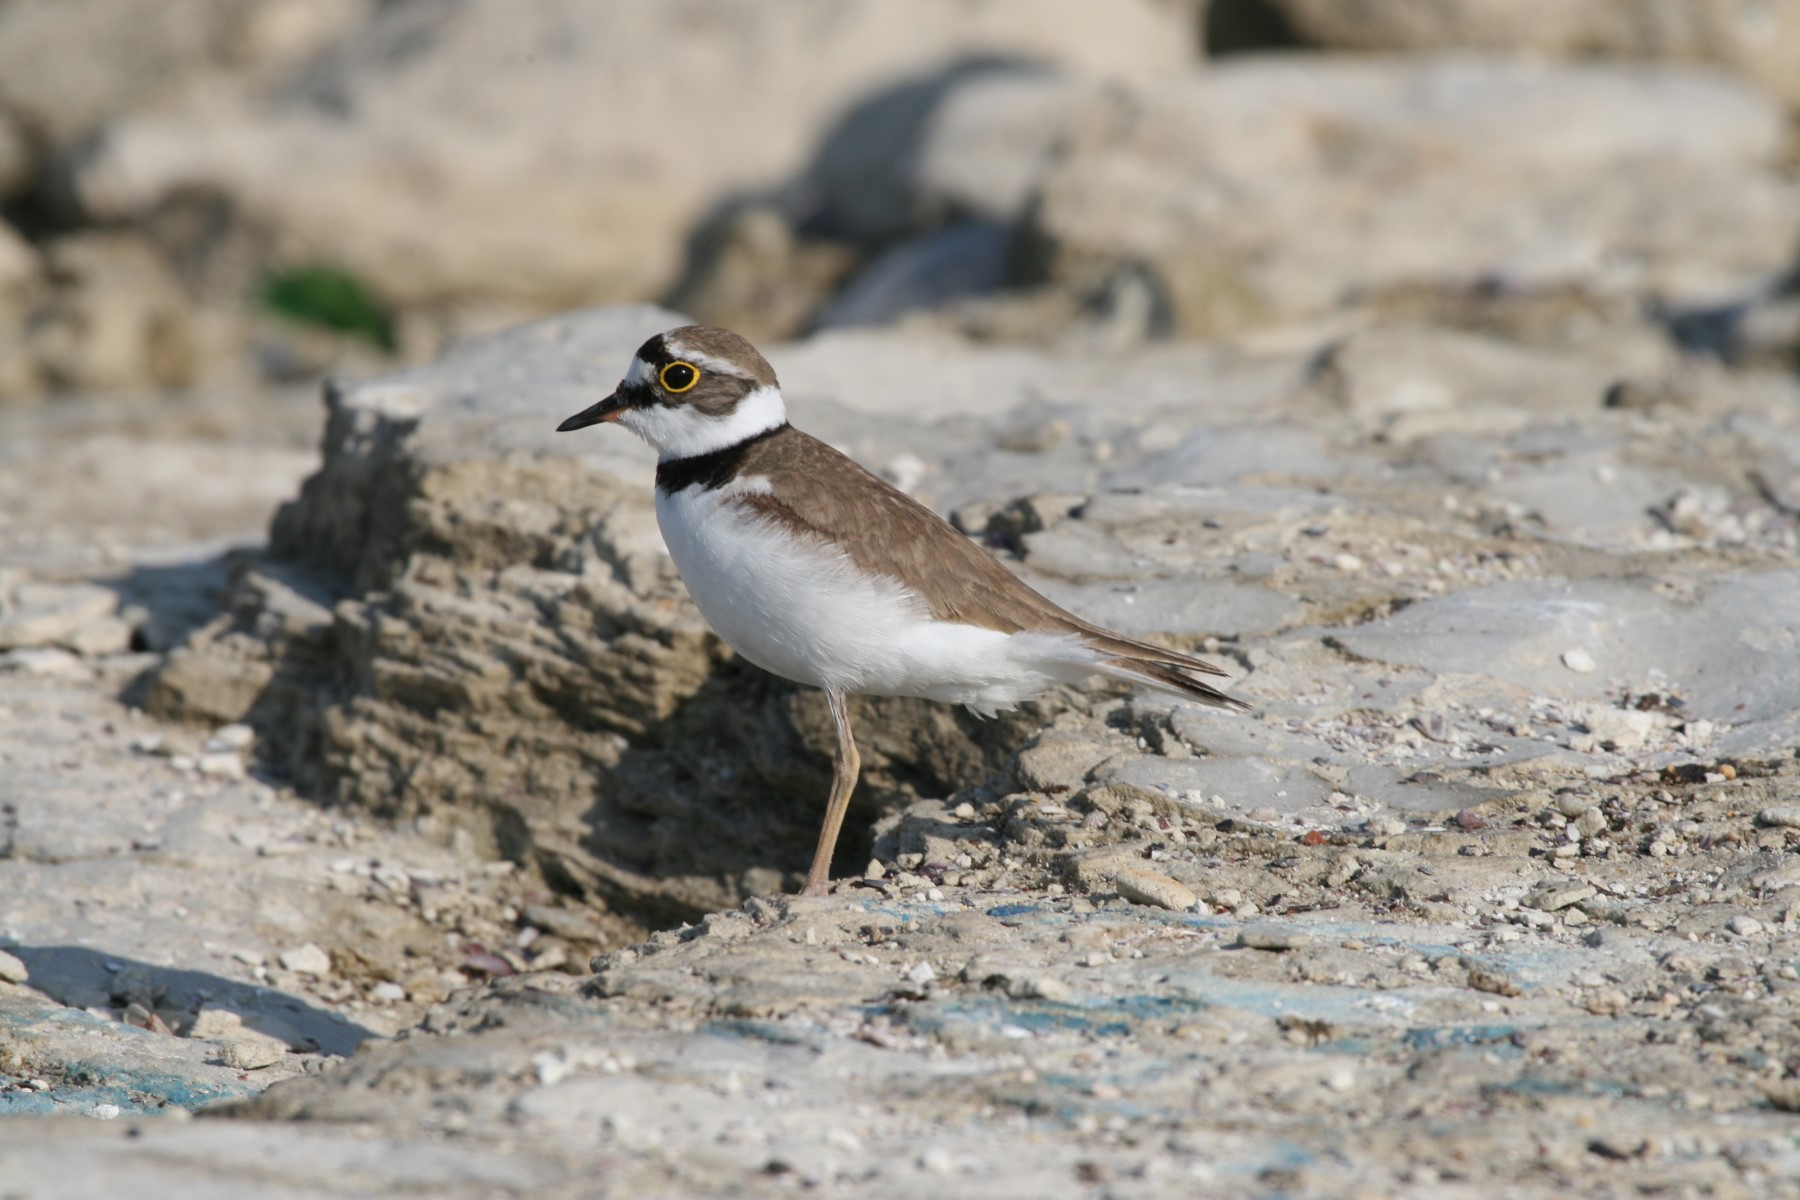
(1272, 190)
(1760, 38)
(114, 317)
(67, 66)
(432, 118)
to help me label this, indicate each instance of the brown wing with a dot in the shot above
(884, 530)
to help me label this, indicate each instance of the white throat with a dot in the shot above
(683, 432)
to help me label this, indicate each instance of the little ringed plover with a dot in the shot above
(814, 568)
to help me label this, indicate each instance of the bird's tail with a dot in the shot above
(1172, 677)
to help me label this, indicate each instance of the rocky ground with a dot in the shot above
(370, 791)
(1488, 895)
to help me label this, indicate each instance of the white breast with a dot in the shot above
(799, 607)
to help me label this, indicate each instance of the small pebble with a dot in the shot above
(1744, 926)
(1786, 816)
(1273, 937)
(1264, 813)
(105, 1112)
(231, 737)
(306, 960)
(12, 970)
(1559, 896)
(1035, 986)
(1784, 1094)
(1155, 889)
(387, 992)
(937, 1161)
(1226, 898)
(215, 1023)
(251, 1054)
(1572, 804)
(1608, 1003)
(1347, 563)
(221, 764)
(139, 1017)
(1579, 661)
(1484, 978)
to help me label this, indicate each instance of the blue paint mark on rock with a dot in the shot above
(1465, 1035)
(90, 1061)
(1014, 910)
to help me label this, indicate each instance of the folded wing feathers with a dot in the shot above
(1170, 679)
(1158, 665)
(961, 581)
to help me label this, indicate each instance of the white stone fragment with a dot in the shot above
(1624, 729)
(306, 960)
(1155, 889)
(1579, 661)
(251, 1054)
(235, 736)
(221, 764)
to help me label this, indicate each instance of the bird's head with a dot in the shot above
(692, 391)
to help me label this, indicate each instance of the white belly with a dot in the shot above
(802, 609)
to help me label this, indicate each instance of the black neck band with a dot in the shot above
(708, 470)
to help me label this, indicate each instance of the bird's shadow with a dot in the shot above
(85, 978)
(732, 784)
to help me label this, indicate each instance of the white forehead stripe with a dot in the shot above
(638, 371)
(706, 362)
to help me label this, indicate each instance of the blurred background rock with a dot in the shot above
(220, 193)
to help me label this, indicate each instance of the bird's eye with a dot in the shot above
(679, 376)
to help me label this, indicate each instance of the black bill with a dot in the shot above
(607, 410)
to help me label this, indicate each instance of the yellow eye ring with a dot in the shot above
(678, 377)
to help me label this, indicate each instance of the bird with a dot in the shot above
(822, 572)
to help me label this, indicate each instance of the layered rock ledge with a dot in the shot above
(1451, 568)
